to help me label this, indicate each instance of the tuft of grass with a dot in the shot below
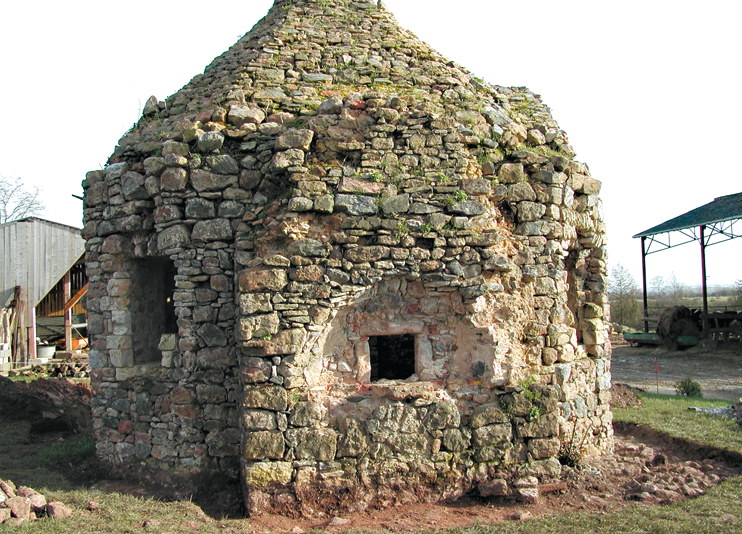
(402, 228)
(458, 196)
(82, 447)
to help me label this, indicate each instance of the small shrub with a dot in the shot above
(573, 451)
(402, 228)
(459, 196)
(688, 387)
(533, 396)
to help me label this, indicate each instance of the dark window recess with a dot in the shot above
(152, 307)
(392, 357)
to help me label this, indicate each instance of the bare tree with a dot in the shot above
(676, 289)
(624, 294)
(737, 300)
(17, 202)
(658, 291)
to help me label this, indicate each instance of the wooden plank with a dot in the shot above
(74, 300)
(67, 312)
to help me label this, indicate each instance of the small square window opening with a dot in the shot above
(392, 357)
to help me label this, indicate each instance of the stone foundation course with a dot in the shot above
(341, 269)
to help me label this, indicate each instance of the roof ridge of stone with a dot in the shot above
(310, 47)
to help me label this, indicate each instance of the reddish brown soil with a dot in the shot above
(51, 404)
(623, 396)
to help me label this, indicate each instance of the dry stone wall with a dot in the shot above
(329, 186)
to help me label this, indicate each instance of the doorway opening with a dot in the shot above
(152, 306)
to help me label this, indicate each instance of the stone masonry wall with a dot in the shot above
(329, 179)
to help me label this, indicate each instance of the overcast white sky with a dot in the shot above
(648, 92)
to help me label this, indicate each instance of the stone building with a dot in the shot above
(342, 270)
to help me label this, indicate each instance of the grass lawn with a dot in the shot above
(717, 512)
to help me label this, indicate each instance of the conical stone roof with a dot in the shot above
(328, 181)
(304, 51)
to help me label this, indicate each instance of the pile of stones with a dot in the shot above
(658, 480)
(20, 504)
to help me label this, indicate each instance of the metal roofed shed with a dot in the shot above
(710, 224)
(36, 256)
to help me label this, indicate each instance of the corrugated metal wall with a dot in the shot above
(35, 254)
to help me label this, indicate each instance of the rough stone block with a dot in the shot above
(356, 204)
(353, 442)
(251, 303)
(545, 426)
(209, 141)
(541, 449)
(261, 445)
(318, 444)
(267, 474)
(210, 394)
(396, 204)
(300, 204)
(455, 440)
(492, 435)
(470, 208)
(239, 115)
(490, 453)
(216, 358)
(494, 488)
(260, 279)
(309, 273)
(289, 158)
(301, 139)
(305, 414)
(57, 510)
(265, 397)
(324, 203)
(173, 236)
(511, 173)
(255, 370)
(209, 181)
(487, 414)
(443, 415)
(259, 420)
(367, 254)
(132, 186)
(199, 208)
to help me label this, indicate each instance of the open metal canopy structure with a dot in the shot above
(710, 224)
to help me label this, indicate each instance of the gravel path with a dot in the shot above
(717, 368)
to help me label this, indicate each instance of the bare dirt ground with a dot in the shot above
(716, 366)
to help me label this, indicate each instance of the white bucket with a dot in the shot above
(45, 351)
